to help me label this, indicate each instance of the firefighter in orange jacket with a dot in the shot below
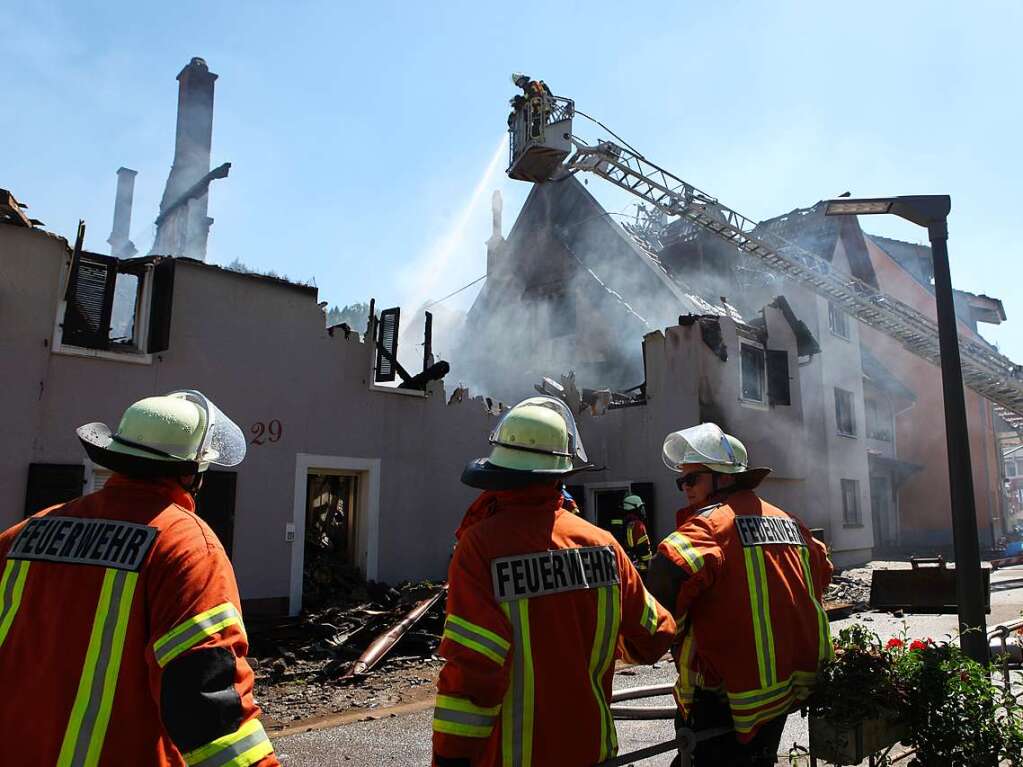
(637, 541)
(540, 604)
(746, 582)
(121, 637)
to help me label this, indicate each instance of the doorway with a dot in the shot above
(607, 502)
(331, 535)
(215, 505)
(882, 509)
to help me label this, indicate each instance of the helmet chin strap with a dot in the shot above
(194, 486)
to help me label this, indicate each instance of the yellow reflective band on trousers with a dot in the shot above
(12, 585)
(756, 577)
(454, 715)
(649, 617)
(241, 748)
(824, 648)
(685, 549)
(90, 714)
(483, 641)
(688, 679)
(601, 656)
(188, 634)
(517, 708)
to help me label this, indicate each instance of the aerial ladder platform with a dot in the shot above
(544, 154)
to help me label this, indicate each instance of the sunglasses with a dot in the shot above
(690, 479)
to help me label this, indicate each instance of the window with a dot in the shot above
(121, 306)
(879, 420)
(838, 321)
(851, 503)
(52, 483)
(845, 417)
(1010, 468)
(752, 373)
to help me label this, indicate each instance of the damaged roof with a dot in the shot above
(271, 278)
(582, 226)
(811, 230)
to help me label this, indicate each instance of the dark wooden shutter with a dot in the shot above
(388, 340)
(90, 301)
(645, 490)
(52, 483)
(778, 392)
(215, 504)
(160, 306)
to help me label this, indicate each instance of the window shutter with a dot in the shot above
(388, 340)
(90, 301)
(160, 306)
(778, 392)
(52, 483)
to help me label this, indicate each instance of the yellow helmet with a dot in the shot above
(536, 439)
(632, 503)
(173, 435)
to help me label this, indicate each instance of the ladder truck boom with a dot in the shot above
(541, 140)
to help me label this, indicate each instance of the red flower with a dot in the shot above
(918, 644)
(893, 643)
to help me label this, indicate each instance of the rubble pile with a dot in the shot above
(852, 586)
(301, 663)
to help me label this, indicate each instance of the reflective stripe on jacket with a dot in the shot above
(637, 543)
(540, 603)
(750, 608)
(121, 637)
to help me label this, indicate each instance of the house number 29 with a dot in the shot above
(266, 432)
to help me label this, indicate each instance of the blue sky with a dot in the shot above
(361, 134)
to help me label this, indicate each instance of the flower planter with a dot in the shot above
(854, 742)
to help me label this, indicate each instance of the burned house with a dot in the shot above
(571, 288)
(322, 435)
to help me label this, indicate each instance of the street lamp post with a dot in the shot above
(931, 211)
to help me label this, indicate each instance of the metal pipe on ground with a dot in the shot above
(383, 643)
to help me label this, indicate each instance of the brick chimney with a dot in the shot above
(183, 225)
(496, 243)
(194, 135)
(120, 244)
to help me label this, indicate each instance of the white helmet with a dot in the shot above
(705, 444)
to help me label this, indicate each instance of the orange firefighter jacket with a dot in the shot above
(121, 637)
(637, 542)
(540, 603)
(749, 607)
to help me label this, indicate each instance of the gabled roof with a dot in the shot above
(599, 243)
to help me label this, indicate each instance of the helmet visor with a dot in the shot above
(705, 443)
(575, 443)
(224, 442)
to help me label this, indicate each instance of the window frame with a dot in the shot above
(850, 489)
(880, 409)
(150, 335)
(834, 314)
(852, 413)
(763, 401)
